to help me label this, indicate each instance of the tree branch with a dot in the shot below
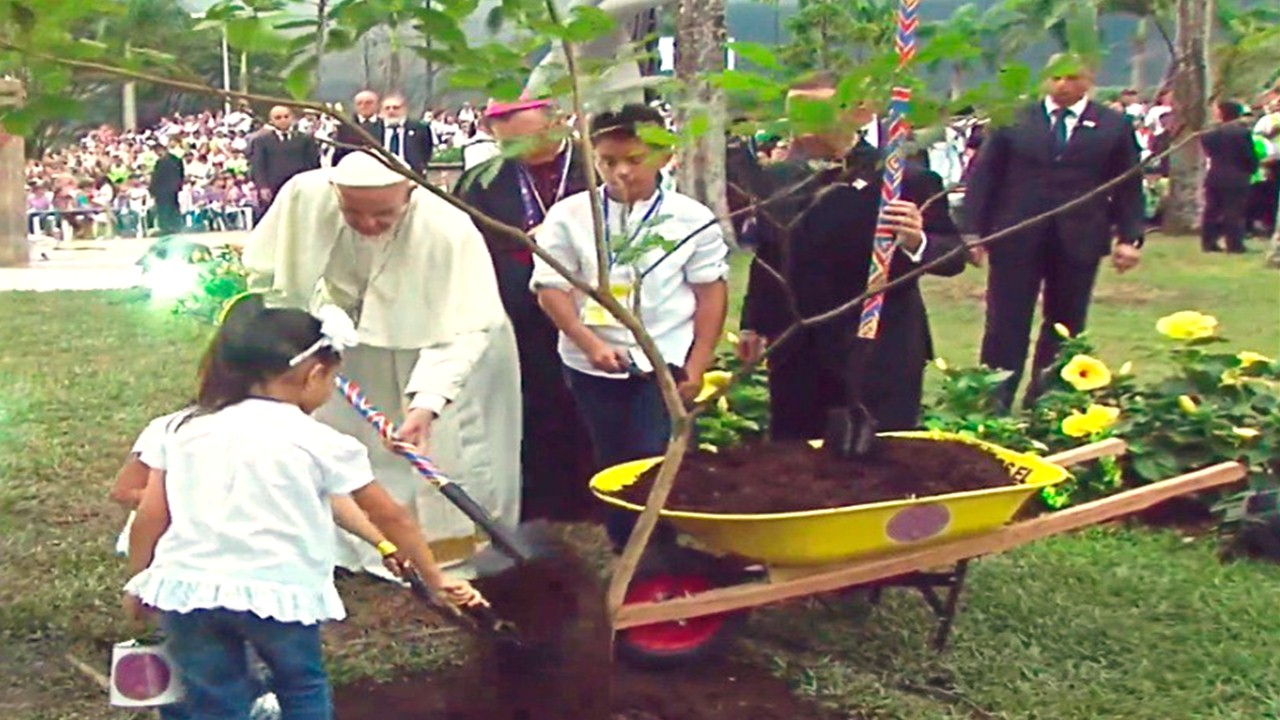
(856, 303)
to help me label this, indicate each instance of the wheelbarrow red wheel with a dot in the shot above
(674, 644)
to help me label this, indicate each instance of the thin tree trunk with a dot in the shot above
(957, 81)
(700, 36)
(1138, 56)
(1190, 107)
(322, 35)
(14, 248)
(366, 61)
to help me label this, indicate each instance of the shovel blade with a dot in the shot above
(850, 432)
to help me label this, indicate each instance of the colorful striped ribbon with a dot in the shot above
(355, 396)
(891, 185)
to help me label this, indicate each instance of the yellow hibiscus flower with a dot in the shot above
(1246, 433)
(940, 364)
(1187, 405)
(1230, 378)
(1084, 372)
(1092, 421)
(1248, 357)
(1062, 330)
(1187, 325)
(713, 381)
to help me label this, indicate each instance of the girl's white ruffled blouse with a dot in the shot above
(251, 526)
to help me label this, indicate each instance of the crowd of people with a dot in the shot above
(104, 184)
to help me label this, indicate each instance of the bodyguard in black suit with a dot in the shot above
(366, 116)
(276, 154)
(167, 178)
(821, 242)
(1232, 163)
(407, 139)
(1058, 150)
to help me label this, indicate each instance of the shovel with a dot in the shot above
(519, 547)
(515, 547)
(851, 428)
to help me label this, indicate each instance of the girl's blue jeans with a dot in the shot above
(208, 647)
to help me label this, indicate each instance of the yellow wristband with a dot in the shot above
(386, 547)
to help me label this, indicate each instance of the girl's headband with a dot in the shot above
(337, 332)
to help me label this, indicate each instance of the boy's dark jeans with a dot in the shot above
(626, 420)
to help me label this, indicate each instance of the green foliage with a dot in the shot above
(1215, 407)
(222, 277)
(742, 414)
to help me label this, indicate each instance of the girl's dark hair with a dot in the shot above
(255, 343)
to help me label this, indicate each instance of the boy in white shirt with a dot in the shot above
(661, 244)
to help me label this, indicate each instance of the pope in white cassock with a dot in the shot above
(436, 350)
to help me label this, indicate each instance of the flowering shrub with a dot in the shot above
(740, 415)
(221, 276)
(1215, 406)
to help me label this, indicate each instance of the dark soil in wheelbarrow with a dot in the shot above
(794, 476)
(707, 691)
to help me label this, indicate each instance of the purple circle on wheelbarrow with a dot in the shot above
(918, 522)
(142, 676)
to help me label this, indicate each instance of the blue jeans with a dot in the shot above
(208, 647)
(626, 421)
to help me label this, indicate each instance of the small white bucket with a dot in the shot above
(143, 676)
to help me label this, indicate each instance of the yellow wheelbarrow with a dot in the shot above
(685, 603)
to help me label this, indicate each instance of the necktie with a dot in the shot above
(395, 141)
(1060, 129)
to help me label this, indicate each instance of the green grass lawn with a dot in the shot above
(1105, 624)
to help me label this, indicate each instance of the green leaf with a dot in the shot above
(22, 16)
(756, 54)
(253, 34)
(588, 23)
(505, 89)
(655, 136)
(440, 26)
(300, 81)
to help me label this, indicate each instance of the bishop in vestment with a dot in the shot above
(436, 352)
(518, 187)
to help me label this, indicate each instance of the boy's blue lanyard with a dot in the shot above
(648, 215)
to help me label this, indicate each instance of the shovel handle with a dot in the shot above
(503, 538)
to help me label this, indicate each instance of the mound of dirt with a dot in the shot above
(793, 476)
(707, 691)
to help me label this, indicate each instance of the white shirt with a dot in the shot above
(148, 441)
(251, 525)
(1072, 120)
(666, 292)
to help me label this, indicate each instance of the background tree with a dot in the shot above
(1190, 107)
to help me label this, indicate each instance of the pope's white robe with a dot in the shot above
(432, 334)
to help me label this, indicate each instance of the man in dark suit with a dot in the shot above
(1232, 163)
(518, 190)
(821, 241)
(407, 139)
(167, 178)
(1056, 151)
(366, 116)
(276, 154)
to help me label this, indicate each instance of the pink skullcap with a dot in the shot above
(497, 109)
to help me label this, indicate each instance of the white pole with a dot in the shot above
(226, 72)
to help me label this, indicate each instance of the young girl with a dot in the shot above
(233, 542)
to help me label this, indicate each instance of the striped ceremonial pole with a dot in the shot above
(891, 185)
(387, 430)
